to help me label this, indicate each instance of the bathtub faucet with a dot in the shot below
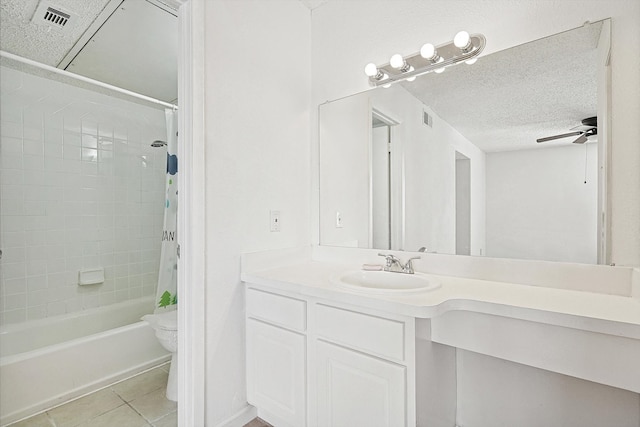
(394, 265)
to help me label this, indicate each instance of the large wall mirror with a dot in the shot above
(450, 162)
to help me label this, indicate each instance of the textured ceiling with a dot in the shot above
(508, 99)
(20, 36)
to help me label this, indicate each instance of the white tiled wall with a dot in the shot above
(80, 188)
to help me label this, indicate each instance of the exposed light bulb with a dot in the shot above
(387, 86)
(397, 61)
(462, 40)
(428, 51)
(471, 61)
(371, 69)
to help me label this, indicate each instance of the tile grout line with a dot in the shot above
(50, 419)
(141, 416)
(137, 397)
(102, 413)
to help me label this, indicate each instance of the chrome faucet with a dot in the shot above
(394, 265)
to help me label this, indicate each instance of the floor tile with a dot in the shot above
(119, 417)
(41, 420)
(170, 420)
(85, 408)
(258, 422)
(141, 384)
(154, 405)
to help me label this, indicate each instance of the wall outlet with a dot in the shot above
(275, 221)
(338, 220)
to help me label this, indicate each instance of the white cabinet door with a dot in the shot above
(354, 389)
(276, 373)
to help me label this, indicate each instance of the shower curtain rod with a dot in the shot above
(85, 79)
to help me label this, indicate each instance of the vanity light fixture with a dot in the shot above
(463, 48)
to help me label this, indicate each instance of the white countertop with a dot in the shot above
(596, 312)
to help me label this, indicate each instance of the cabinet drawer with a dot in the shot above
(370, 334)
(277, 309)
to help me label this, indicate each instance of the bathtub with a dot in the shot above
(46, 362)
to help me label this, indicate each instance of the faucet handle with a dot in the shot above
(408, 267)
(390, 258)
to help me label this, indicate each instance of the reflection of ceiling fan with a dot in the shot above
(588, 128)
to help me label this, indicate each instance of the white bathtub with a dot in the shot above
(38, 371)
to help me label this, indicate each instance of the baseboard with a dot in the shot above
(242, 417)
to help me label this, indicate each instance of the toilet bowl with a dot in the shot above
(166, 327)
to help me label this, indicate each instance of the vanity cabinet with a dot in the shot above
(355, 389)
(362, 370)
(316, 363)
(276, 357)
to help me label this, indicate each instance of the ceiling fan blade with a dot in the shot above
(581, 139)
(564, 135)
(582, 127)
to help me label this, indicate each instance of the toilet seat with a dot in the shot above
(167, 321)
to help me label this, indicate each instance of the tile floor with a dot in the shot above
(257, 422)
(137, 402)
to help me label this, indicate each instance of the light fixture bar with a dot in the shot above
(446, 54)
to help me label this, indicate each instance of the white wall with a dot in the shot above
(257, 159)
(344, 176)
(81, 188)
(557, 224)
(348, 35)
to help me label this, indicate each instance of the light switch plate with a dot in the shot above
(275, 221)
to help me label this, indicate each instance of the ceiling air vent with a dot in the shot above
(52, 16)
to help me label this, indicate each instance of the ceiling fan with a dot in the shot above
(588, 128)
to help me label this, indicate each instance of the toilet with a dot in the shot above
(166, 327)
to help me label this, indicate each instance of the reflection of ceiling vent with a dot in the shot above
(53, 16)
(427, 119)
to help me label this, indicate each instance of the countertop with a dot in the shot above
(596, 312)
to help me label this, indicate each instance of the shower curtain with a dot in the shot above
(166, 294)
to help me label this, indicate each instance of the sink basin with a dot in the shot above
(384, 282)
